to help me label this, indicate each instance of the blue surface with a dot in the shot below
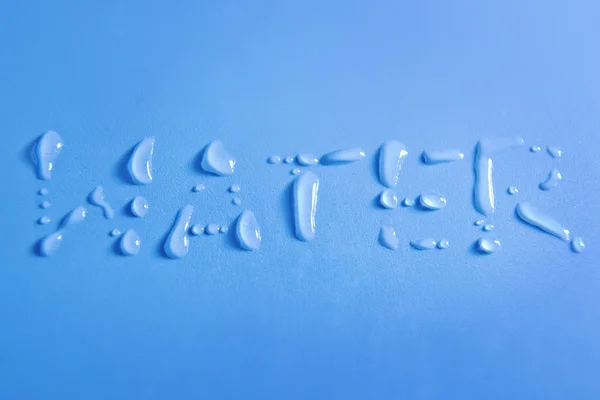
(341, 317)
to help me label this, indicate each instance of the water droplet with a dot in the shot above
(139, 206)
(483, 191)
(423, 244)
(479, 222)
(487, 245)
(235, 188)
(306, 189)
(43, 192)
(236, 201)
(130, 243)
(388, 199)
(199, 187)
(488, 227)
(344, 156)
(97, 198)
(44, 220)
(391, 157)
(288, 159)
(115, 232)
(432, 201)
(274, 160)
(45, 204)
(408, 202)
(295, 171)
(177, 243)
(443, 244)
(512, 190)
(533, 216)
(443, 156)
(577, 245)
(211, 229)
(217, 160)
(197, 229)
(248, 231)
(388, 239)
(46, 152)
(307, 159)
(224, 229)
(535, 149)
(554, 151)
(140, 163)
(75, 216)
(552, 181)
(50, 243)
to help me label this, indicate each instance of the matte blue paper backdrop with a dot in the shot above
(341, 317)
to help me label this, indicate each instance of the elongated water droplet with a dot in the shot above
(46, 151)
(295, 171)
(388, 239)
(97, 198)
(199, 188)
(307, 159)
(388, 199)
(211, 229)
(487, 245)
(75, 216)
(197, 229)
(235, 188)
(139, 206)
(488, 227)
(423, 244)
(479, 222)
(552, 181)
(306, 189)
(512, 190)
(44, 220)
(43, 192)
(443, 244)
(140, 163)
(432, 201)
(45, 204)
(50, 243)
(443, 156)
(236, 201)
(130, 243)
(344, 156)
(274, 160)
(289, 160)
(391, 157)
(535, 149)
(408, 202)
(535, 217)
(483, 191)
(577, 245)
(554, 151)
(177, 243)
(247, 231)
(115, 232)
(217, 160)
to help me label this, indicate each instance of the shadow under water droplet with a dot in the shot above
(27, 154)
(195, 164)
(286, 201)
(375, 165)
(120, 170)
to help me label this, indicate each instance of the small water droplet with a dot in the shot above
(224, 229)
(443, 156)
(140, 163)
(487, 245)
(45, 204)
(306, 189)
(288, 160)
(97, 198)
(274, 160)
(535, 149)
(248, 231)
(488, 227)
(344, 156)
(512, 190)
(236, 201)
(432, 201)
(554, 151)
(115, 232)
(388, 199)
(130, 243)
(391, 158)
(199, 188)
(139, 206)
(443, 244)
(211, 229)
(295, 171)
(535, 217)
(479, 222)
(43, 192)
(46, 151)
(44, 220)
(577, 245)
(177, 243)
(408, 202)
(197, 229)
(423, 244)
(552, 181)
(307, 159)
(217, 160)
(235, 188)
(388, 239)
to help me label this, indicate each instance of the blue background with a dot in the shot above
(341, 317)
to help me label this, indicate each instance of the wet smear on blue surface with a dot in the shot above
(46, 151)
(307, 159)
(97, 198)
(554, 152)
(344, 156)
(442, 156)
(431, 201)
(177, 242)
(552, 181)
(247, 231)
(388, 238)
(130, 243)
(217, 160)
(531, 215)
(423, 244)
(50, 243)
(487, 245)
(139, 206)
(391, 158)
(388, 199)
(140, 163)
(306, 189)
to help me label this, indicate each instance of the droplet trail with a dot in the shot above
(344, 156)
(531, 215)
(443, 156)
(423, 244)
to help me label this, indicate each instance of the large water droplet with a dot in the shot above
(177, 243)
(217, 160)
(391, 157)
(388, 239)
(139, 206)
(443, 156)
(554, 151)
(432, 201)
(97, 198)
(487, 245)
(533, 216)
(130, 243)
(307, 159)
(577, 245)
(140, 163)
(49, 244)
(247, 231)
(306, 189)
(46, 151)
(388, 199)
(344, 156)
(423, 244)
(552, 181)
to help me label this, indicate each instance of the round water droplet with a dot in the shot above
(197, 229)
(307, 159)
(211, 229)
(388, 238)
(234, 188)
(115, 232)
(139, 206)
(217, 160)
(487, 245)
(432, 201)
(577, 245)
(236, 201)
(274, 160)
(408, 202)
(535, 149)
(288, 159)
(130, 243)
(43, 192)
(295, 171)
(199, 187)
(479, 222)
(44, 220)
(45, 204)
(443, 244)
(512, 190)
(224, 229)
(388, 199)
(488, 227)
(247, 231)
(423, 244)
